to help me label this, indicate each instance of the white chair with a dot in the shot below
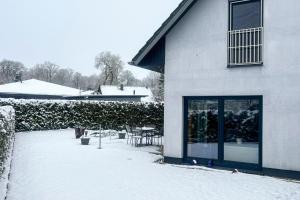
(129, 134)
(158, 136)
(138, 137)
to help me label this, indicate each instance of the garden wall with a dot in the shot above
(34, 115)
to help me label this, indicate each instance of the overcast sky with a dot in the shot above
(71, 33)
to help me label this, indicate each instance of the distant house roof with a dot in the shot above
(151, 56)
(113, 90)
(37, 87)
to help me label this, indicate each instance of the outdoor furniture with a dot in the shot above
(122, 135)
(148, 133)
(79, 132)
(137, 137)
(158, 136)
(129, 134)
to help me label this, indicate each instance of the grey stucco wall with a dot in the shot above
(196, 65)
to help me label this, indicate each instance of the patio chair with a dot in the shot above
(150, 135)
(129, 134)
(158, 136)
(138, 137)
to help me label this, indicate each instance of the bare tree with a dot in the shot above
(160, 89)
(92, 82)
(151, 80)
(127, 78)
(111, 66)
(77, 80)
(50, 69)
(44, 72)
(9, 70)
(64, 76)
(155, 81)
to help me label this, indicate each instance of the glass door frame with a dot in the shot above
(220, 161)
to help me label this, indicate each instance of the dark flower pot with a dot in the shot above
(122, 135)
(85, 141)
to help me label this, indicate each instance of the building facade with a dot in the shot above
(232, 87)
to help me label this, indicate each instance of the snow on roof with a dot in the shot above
(37, 87)
(113, 90)
(88, 92)
(127, 90)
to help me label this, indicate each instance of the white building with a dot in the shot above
(232, 86)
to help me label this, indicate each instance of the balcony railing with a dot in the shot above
(245, 46)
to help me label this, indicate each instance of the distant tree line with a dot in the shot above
(111, 69)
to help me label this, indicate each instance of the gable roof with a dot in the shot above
(37, 87)
(158, 38)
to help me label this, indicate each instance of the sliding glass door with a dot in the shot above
(241, 130)
(225, 129)
(203, 129)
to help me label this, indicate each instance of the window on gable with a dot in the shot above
(245, 34)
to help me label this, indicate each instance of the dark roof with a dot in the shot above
(29, 96)
(83, 97)
(159, 35)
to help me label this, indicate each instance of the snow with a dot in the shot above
(88, 92)
(8, 113)
(53, 165)
(37, 87)
(113, 90)
(5, 176)
(34, 86)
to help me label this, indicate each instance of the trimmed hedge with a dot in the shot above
(7, 129)
(48, 115)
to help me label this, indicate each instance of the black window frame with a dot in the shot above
(220, 161)
(229, 64)
(231, 2)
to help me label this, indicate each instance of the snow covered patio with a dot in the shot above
(50, 165)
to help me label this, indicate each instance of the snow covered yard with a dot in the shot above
(50, 165)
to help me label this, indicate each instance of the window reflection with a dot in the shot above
(241, 130)
(203, 129)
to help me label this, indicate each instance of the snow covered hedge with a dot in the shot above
(7, 129)
(48, 115)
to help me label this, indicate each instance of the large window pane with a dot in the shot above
(241, 131)
(246, 15)
(203, 129)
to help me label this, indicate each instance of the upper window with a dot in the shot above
(245, 14)
(245, 35)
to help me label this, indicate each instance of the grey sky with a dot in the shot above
(71, 32)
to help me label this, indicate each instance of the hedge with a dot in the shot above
(7, 129)
(48, 115)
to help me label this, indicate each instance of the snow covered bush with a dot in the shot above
(7, 129)
(47, 115)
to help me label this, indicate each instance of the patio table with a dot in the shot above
(147, 132)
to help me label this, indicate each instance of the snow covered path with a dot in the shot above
(52, 165)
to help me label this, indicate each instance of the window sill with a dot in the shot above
(247, 65)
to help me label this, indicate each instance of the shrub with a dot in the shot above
(7, 127)
(47, 115)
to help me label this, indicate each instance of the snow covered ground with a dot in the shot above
(52, 165)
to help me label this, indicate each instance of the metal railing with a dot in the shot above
(245, 46)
